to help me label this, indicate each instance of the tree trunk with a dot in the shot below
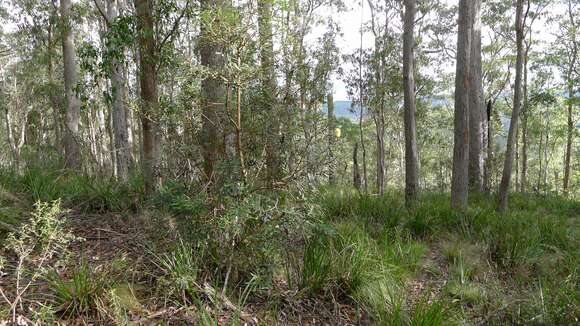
(525, 114)
(120, 130)
(571, 95)
(459, 180)
(148, 92)
(269, 91)
(411, 152)
(509, 156)
(570, 137)
(73, 108)
(476, 106)
(331, 137)
(355, 168)
(489, 158)
(213, 93)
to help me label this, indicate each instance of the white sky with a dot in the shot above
(350, 22)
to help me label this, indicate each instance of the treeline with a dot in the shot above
(219, 93)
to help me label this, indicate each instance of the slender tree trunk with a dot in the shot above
(71, 137)
(331, 137)
(525, 114)
(355, 168)
(459, 180)
(119, 116)
(546, 163)
(361, 102)
(380, 126)
(538, 184)
(571, 95)
(269, 90)
(570, 137)
(148, 92)
(54, 99)
(489, 138)
(517, 162)
(476, 106)
(239, 150)
(411, 152)
(512, 134)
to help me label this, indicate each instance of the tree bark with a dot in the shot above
(213, 93)
(512, 134)
(459, 180)
(571, 95)
(476, 106)
(570, 137)
(356, 180)
(411, 152)
(489, 144)
(149, 100)
(525, 114)
(71, 137)
(119, 115)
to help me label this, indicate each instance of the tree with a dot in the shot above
(115, 53)
(512, 133)
(411, 153)
(73, 106)
(569, 53)
(120, 127)
(148, 93)
(459, 181)
(477, 110)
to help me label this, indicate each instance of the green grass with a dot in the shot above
(428, 265)
(79, 294)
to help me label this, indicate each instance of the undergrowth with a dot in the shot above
(230, 257)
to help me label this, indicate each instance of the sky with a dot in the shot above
(350, 22)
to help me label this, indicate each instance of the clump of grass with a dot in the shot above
(427, 313)
(339, 262)
(350, 204)
(182, 268)
(80, 294)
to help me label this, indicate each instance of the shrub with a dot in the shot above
(40, 241)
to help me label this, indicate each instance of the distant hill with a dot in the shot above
(343, 109)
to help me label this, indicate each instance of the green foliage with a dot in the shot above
(80, 294)
(88, 194)
(175, 198)
(429, 313)
(350, 204)
(42, 240)
(182, 267)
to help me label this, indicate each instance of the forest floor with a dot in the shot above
(324, 257)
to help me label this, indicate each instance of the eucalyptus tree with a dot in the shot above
(73, 105)
(477, 109)
(512, 133)
(459, 182)
(566, 58)
(497, 72)
(157, 25)
(411, 152)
